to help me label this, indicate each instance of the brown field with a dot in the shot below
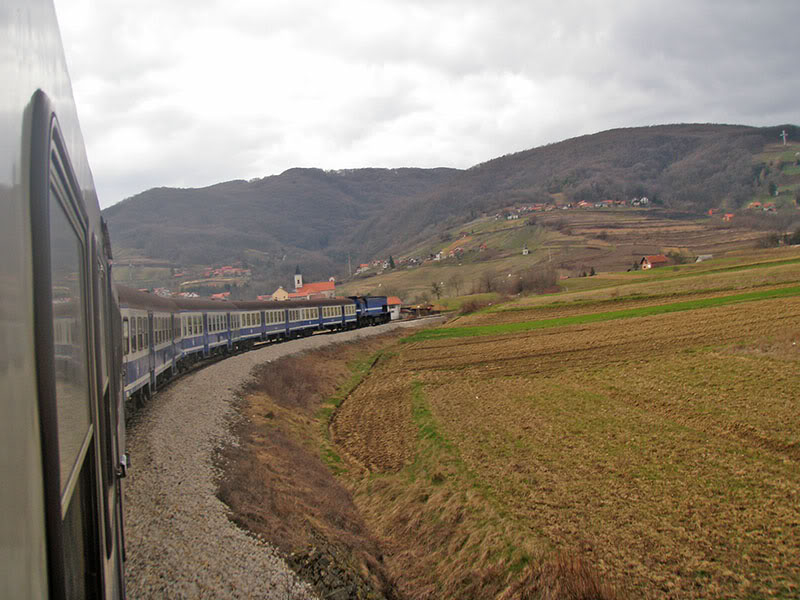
(658, 454)
(649, 457)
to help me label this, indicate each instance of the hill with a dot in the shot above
(320, 218)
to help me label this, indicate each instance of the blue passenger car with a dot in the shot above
(149, 335)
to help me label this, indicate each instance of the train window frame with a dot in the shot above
(54, 190)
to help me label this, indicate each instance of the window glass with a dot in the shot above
(125, 336)
(134, 345)
(69, 330)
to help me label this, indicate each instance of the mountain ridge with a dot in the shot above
(320, 218)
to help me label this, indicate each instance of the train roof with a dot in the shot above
(132, 298)
(275, 304)
(204, 304)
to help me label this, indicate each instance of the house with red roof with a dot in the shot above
(394, 303)
(653, 261)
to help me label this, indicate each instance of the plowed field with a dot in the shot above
(663, 451)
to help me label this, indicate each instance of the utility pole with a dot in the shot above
(349, 266)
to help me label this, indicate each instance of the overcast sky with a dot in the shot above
(193, 92)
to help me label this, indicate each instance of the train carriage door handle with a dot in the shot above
(124, 465)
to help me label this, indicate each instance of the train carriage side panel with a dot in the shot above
(57, 539)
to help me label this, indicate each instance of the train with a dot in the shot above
(164, 337)
(76, 348)
(62, 426)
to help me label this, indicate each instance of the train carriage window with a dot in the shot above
(134, 346)
(73, 399)
(126, 342)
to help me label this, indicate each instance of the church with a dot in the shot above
(307, 291)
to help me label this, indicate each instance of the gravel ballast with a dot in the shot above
(179, 540)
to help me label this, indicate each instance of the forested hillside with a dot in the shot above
(317, 218)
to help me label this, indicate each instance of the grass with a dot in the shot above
(509, 328)
(654, 459)
(659, 457)
(274, 481)
(791, 170)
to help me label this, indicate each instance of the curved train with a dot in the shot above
(74, 347)
(163, 337)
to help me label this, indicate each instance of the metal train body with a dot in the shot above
(61, 420)
(162, 337)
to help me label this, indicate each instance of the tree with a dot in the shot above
(592, 272)
(391, 262)
(436, 288)
(455, 282)
(487, 282)
(773, 188)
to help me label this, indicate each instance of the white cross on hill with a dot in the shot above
(784, 135)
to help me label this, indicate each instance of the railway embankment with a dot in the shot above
(181, 541)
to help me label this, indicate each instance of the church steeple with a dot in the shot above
(298, 279)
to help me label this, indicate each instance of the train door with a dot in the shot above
(174, 325)
(235, 327)
(204, 321)
(64, 359)
(108, 423)
(150, 348)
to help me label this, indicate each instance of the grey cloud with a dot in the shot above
(423, 82)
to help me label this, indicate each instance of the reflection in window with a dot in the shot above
(69, 333)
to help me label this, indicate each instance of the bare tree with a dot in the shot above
(455, 282)
(487, 282)
(436, 288)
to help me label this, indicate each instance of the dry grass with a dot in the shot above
(561, 577)
(659, 458)
(275, 482)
